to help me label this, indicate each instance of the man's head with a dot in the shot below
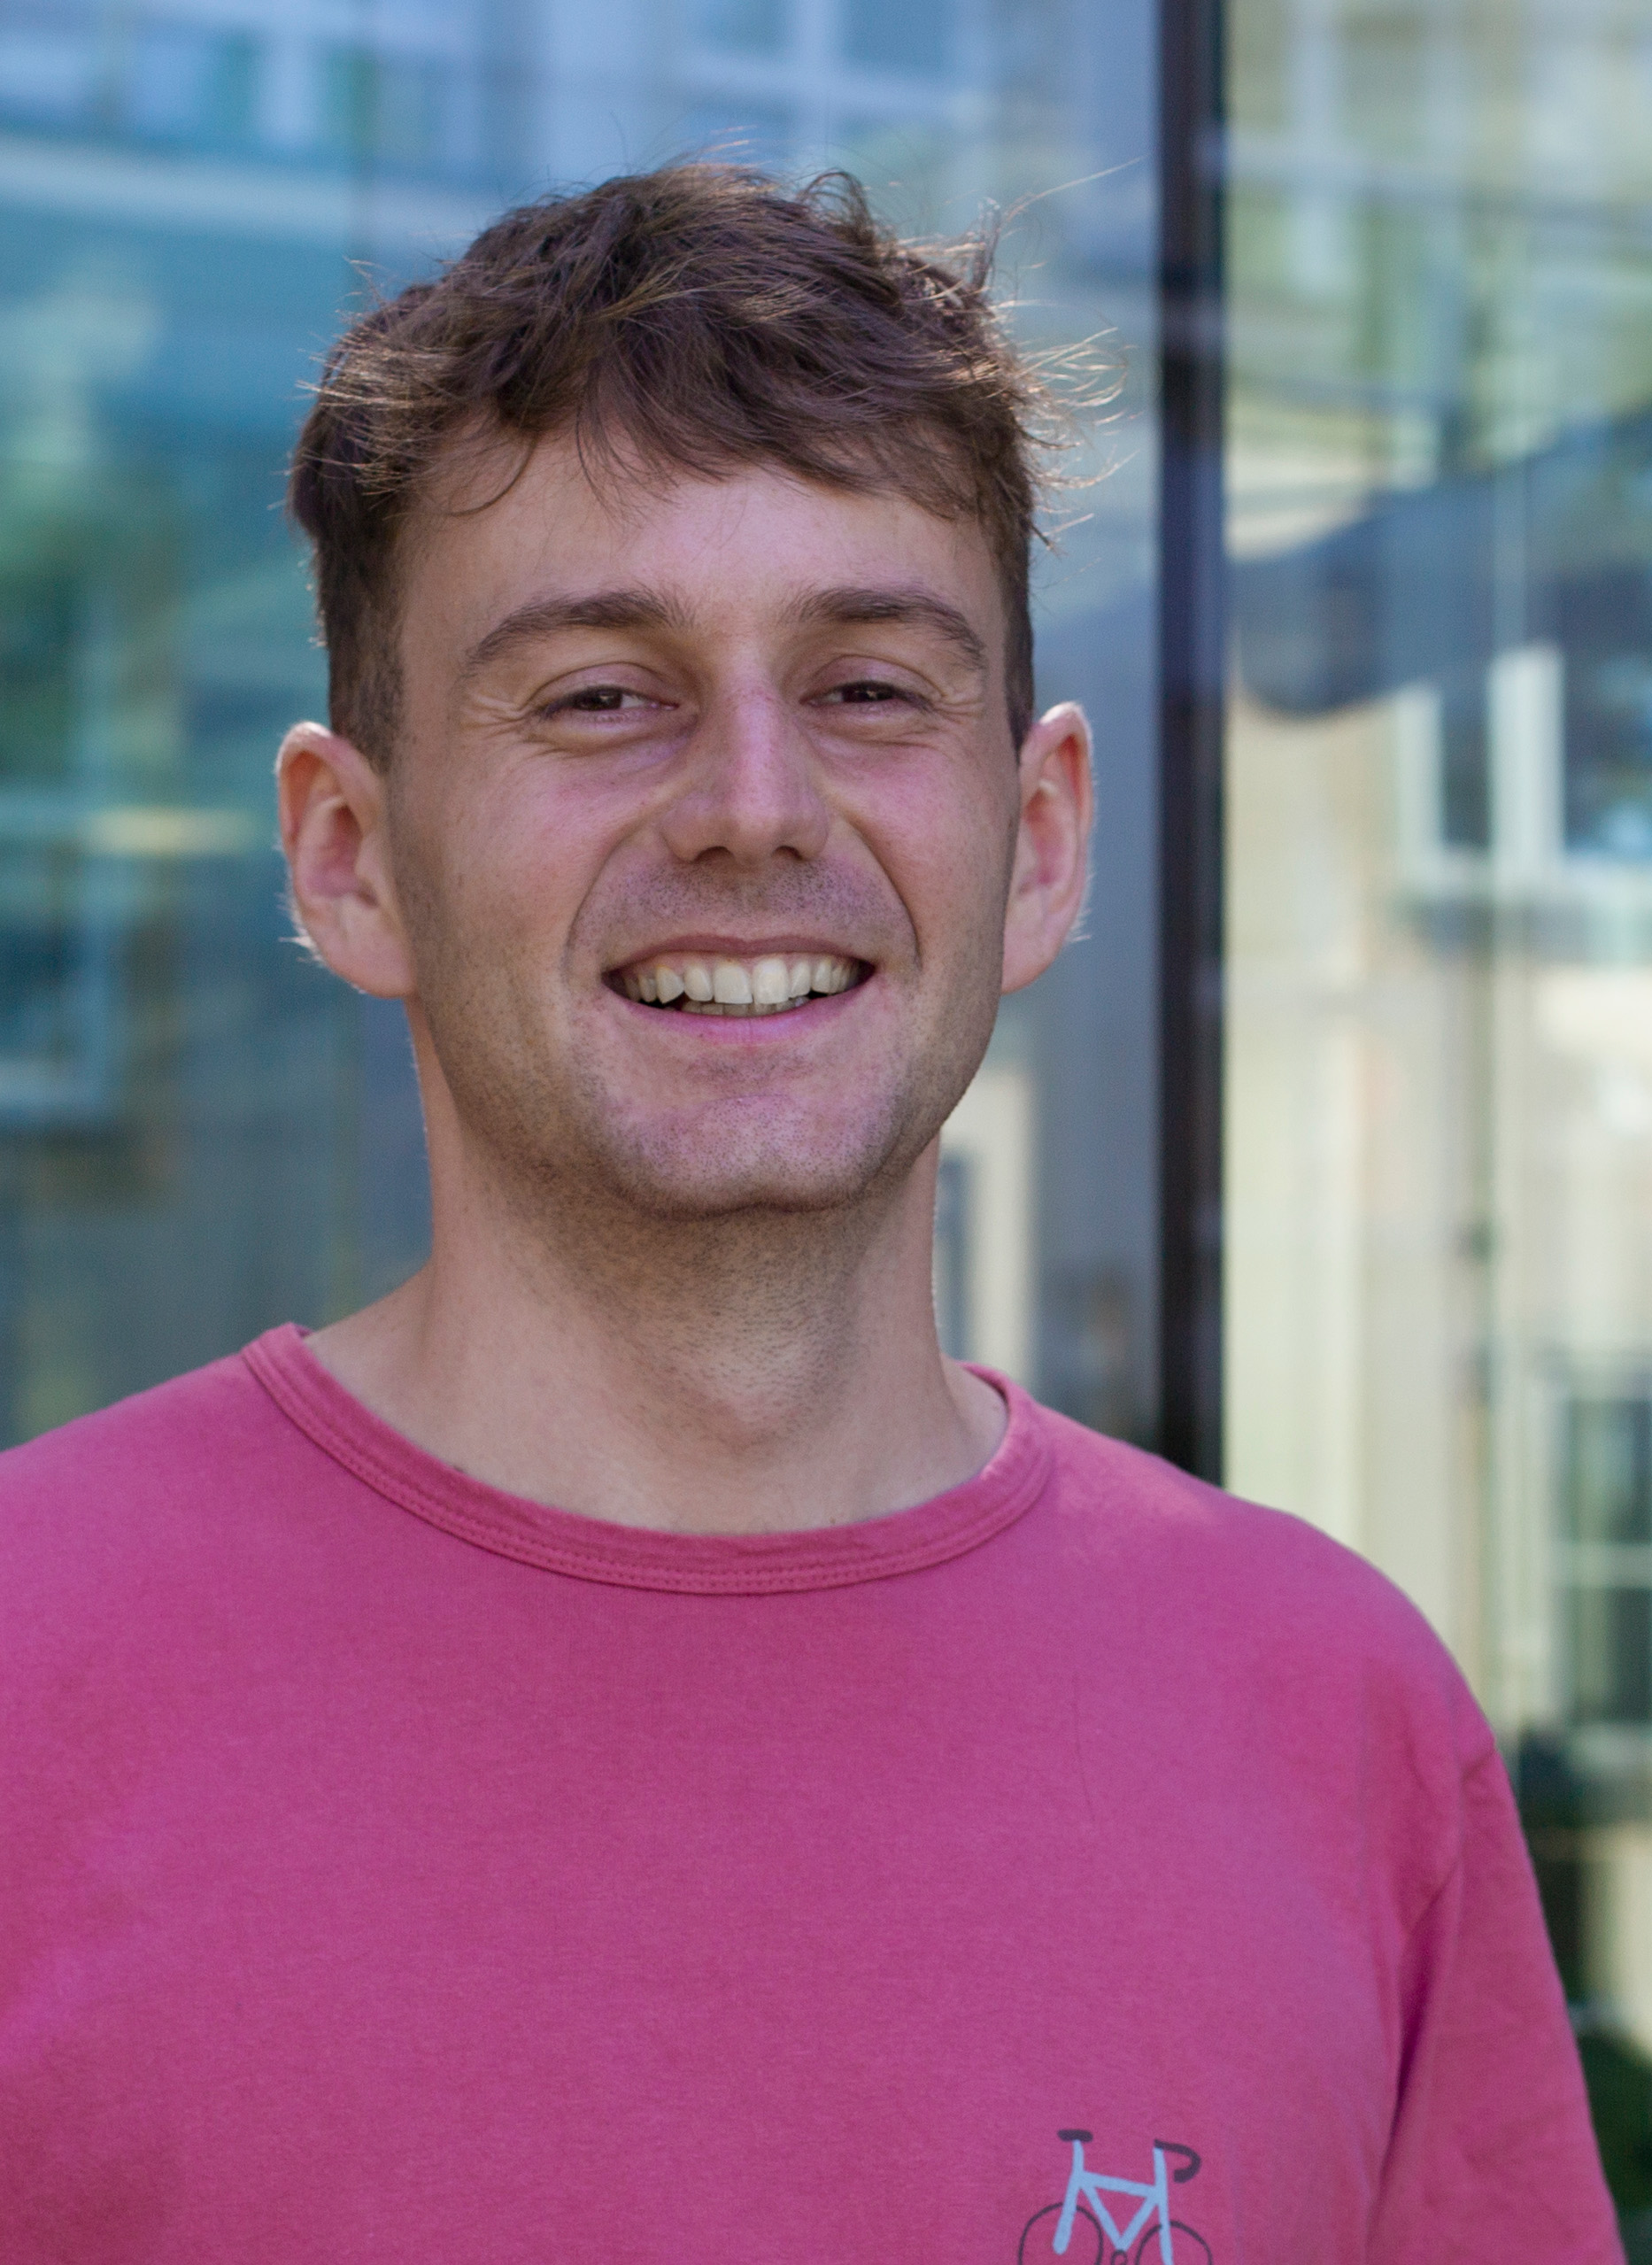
(672, 552)
(698, 320)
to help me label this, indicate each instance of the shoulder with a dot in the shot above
(151, 1435)
(95, 1502)
(1263, 1600)
(1269, 1658)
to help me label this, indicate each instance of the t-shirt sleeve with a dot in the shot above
(1491, 2155)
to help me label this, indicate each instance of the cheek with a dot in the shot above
(950, 861)
(488, 880)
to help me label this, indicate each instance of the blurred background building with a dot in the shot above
(198, 1132)
(1438, 1224)
(1435, 1198)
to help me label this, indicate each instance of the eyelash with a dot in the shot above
(887, 695)
(609, 699)
(575, 703)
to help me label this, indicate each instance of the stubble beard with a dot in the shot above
(644, 1207)
(571, 1154)
(745, 1213)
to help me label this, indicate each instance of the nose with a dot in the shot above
(749, 791)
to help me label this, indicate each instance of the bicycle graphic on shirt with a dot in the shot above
(1091, 2235)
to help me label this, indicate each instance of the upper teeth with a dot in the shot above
(765, 986)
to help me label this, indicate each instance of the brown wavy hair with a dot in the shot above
(700, 317)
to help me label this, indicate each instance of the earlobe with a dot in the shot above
(1048, 884)
(334, 836)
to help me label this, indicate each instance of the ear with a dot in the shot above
(1046, 889)
(334, 832)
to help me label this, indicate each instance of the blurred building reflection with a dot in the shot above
(1439, 863)
(199, 1133)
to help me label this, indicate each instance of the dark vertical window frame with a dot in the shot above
(1191, 664)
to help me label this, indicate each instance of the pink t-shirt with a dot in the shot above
(394, 1869)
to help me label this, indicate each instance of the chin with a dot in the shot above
(759, 1154)
(711, 1188)
(593, 1150)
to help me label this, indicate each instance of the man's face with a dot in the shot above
(744, 736)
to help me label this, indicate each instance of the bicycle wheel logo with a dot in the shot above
(1085, 2226)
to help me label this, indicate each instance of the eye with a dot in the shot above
(598, 700)
(865, 693)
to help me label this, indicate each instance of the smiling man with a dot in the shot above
(622, 1748)
(715, 778)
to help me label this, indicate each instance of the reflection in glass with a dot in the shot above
(1612, 1653)
(190, 84)
(200, 1132)
(909, 36)
(749, 27)
(1607, 1482)
(1440, 804)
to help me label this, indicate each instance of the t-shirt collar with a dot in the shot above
(591, 1549)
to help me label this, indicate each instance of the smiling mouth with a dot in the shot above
(689, 984)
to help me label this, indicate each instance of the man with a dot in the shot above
(620, 1750)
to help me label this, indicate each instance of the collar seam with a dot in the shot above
(633, 1568)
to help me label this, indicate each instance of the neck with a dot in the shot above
(761, 1372)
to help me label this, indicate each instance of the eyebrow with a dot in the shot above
(646, 609)
(600, 609)
(851, 603)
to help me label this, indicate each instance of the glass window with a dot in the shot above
(48, 64)
(191, 84)
(912, 37)
(757, 27)
(1439, 783)
(200, 1132)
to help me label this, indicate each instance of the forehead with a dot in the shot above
(737, 549)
